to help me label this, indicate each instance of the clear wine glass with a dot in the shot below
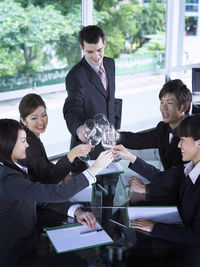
(101, 121)
(96, 138)
(89, 131)
(109, 139)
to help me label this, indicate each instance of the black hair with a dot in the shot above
(179, 90)
(190, 127)
(9, 130)
(91, 34)
(29, 103)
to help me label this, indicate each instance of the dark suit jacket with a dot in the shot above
(87, 97)
(18, 219)
(39, 167)
(188, 201)
(158, 137)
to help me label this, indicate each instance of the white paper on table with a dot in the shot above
(84, 195)
(114, 167)
(125, 177)
(161, 214)
(69, 238)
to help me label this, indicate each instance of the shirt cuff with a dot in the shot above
(72, 209)
(91, 178)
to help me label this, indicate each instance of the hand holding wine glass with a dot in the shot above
(88, 131)
(109, 139)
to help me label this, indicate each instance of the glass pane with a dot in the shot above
(38, 45)
(192, 1)
(191, 8)
(192, 33)
(39, 42)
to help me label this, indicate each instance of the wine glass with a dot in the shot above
(95, 138)
(101, 121)
(109, 137)
(89, 131)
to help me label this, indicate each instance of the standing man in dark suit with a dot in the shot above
(88, 94)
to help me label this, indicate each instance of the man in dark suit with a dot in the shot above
(87, 93)
(175, 99)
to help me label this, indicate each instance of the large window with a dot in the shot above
(39, 44)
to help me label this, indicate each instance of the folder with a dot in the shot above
(161, 214)
(76, 236)
(85, 195)
(113, 168)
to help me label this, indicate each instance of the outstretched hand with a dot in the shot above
(103, 160)
(123, 152)
(78, 151)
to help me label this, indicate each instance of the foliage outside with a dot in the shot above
(38, 35)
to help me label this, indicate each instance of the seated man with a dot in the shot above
(175, 99)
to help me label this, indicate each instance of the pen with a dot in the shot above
(102, 188)
(91, 231)
(118, 223)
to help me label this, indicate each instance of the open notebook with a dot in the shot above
(76, 236)
(161, 214)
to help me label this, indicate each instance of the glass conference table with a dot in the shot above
(131, 247)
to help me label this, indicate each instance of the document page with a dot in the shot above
(114, 167)
(84, 195)
(162, 214)
(76, 236)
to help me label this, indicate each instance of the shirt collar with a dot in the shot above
(192, 171)
(172, 133)
(94, 67)
(23, 168)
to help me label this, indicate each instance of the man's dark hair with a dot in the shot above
(190, 127)
(179, 90)
(91, 34)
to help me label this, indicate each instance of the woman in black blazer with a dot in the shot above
(19, 197)
(34, 118)
(183, 181)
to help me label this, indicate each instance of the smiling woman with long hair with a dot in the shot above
(34, 118)
(19, 197)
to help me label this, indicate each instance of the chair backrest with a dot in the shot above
(196, 80)
(118, 112)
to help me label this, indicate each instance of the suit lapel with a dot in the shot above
(93, 77)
